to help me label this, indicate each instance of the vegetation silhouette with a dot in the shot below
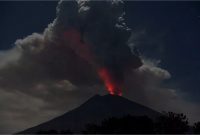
(196, 128)
(54, 132)
(127, 124)
(170, 122)
(167, 123)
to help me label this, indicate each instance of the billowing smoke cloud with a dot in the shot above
(47, 74)
(84, 35)
(99, 35)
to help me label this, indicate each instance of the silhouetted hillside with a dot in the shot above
(94, 110)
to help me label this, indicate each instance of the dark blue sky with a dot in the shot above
(171, 34)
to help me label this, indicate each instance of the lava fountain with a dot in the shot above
(112, 85)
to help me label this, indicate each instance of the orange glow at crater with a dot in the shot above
(112, 85)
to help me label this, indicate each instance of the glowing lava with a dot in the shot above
(83, 50)
(112, 85)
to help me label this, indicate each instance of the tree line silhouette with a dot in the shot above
(167, 123)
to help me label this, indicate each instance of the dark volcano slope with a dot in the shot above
(94, 110)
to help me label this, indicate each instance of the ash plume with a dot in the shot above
(98, 33)
(63, 66)
(86, 43)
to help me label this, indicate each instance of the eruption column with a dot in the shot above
(100, 39)
(113, 87)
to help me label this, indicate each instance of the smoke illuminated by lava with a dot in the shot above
(75, 42)
(110, 82)
(112, 85)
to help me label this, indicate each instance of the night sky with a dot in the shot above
(165, 31)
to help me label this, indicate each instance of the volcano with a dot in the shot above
(94, 110)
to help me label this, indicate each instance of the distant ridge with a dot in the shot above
(94, 110)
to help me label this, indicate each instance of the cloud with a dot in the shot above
(146, 86)
(8, 57)
(146, 83)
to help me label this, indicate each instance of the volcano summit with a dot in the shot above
(96, 109)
